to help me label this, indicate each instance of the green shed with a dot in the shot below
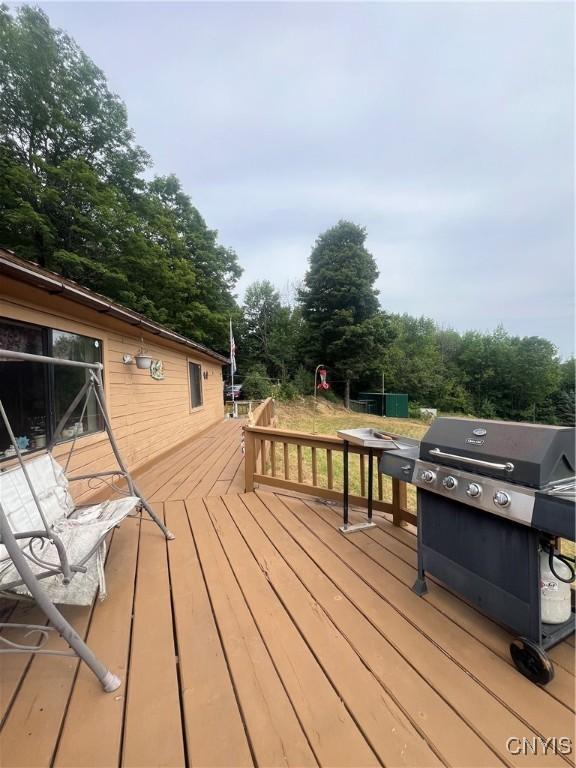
(388, 404)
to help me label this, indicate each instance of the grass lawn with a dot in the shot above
(299, 416)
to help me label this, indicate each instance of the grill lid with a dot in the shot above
(528, 454)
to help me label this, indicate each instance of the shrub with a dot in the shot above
(414, 411)
(304, 381)
(330, 395)
(256, 385)
(285, 392)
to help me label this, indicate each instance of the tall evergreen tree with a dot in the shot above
(343, 329)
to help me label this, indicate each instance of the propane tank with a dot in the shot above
(555, 605)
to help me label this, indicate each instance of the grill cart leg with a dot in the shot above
(346, 527)
(420, 587)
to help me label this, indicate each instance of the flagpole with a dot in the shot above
(232, 367)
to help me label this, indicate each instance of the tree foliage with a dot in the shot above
(72, 195)
(269, 329)
(340, 304)
(339, 323)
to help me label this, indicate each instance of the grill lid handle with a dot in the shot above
(508, 467)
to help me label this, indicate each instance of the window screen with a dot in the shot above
(195, 384)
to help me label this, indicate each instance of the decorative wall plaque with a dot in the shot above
(157, 370)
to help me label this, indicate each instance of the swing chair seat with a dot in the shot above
(49, 549)
(81, 532)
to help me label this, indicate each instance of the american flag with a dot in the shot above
(232, 351)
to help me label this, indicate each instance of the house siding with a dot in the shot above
(148, 417)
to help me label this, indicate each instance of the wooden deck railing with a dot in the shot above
(263, 415)
(243, 407)
(312, 464)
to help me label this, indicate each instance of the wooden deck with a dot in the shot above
(210, 465)
(262, 636)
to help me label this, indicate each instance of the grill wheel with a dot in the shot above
(531, 660)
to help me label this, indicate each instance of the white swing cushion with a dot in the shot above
(51, 487)
(79, 530)
(79, 535)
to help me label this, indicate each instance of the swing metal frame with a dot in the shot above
(22, 554)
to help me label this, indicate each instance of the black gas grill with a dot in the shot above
(491, 495)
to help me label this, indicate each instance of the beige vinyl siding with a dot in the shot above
(149, 417)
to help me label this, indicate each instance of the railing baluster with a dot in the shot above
(329, 469)
(249, 462)
(263, 460)
(314, 467)
(273, 458)
(299, 456)
(362, 475)
(380, 486)
(286, 462)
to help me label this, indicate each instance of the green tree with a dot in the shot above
(340, 305)
(72, 195)
(270, 330)
(564, 399)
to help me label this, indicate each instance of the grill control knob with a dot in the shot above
(474, 490)
(428, 476)
(502, 499)
(450, 483)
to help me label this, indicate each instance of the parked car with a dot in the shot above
(232, 392)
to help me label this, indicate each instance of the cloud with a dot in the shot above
(444, 128)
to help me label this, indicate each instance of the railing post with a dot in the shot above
(249, 461)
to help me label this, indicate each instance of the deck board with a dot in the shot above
(13, 667)
(492, 720)
(30, 731)
(382, 548)
(544, 715)
(330, 727)
(152, 726)
(215, 732)
(109, 637)
(276, 735)
(262, 636)
(456, 741)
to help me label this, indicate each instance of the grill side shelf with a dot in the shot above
(400, 464)
(555, 515)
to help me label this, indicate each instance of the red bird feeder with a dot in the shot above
(323, 384)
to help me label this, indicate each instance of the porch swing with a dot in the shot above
(50, 549)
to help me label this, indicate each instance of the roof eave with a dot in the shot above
(26, 272)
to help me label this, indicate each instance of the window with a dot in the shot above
(36, 396)
(68, 382)
(195, 372)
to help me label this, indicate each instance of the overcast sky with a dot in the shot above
(445, 129)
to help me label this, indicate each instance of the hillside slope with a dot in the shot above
(299, 415)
